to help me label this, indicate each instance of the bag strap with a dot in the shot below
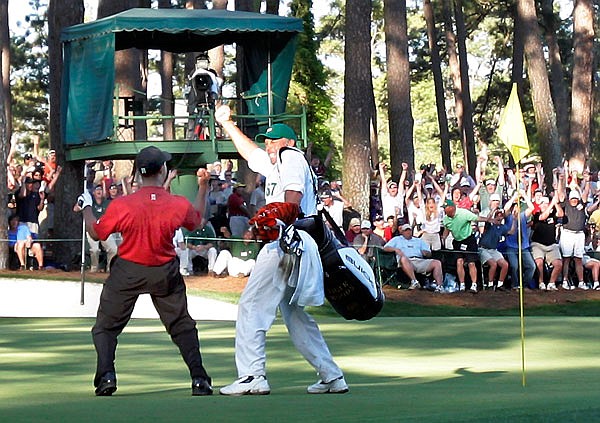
(335, 229)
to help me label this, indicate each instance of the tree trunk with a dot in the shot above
(557, 78)
(468, 136)
(454, 67)
(68, 225)
(398, 85)
(518, 54)
(130, 68)
(582, 84)
(190, 58)
(167, 102)
(217, 54)
(438, 82)
(5, 70)
(272, 7)
(357, 54)
(543, 107)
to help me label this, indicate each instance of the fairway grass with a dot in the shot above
(418, 369)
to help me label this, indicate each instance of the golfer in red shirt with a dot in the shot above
(147, 263)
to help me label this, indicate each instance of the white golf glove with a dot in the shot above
(84, 200)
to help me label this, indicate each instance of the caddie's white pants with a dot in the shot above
(257, 310)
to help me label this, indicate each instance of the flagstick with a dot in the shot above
(82, 290)
(521, 312)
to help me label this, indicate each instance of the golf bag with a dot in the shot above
(349, 282)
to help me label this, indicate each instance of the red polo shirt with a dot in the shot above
(147, 221)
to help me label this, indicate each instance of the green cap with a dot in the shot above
(279, 130)
(449, 203)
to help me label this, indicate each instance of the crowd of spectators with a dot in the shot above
(30, 208)
(494, 229)
(488, 232)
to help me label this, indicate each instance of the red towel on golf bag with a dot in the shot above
(349, 282)
(265, 222)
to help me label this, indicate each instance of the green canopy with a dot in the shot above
(268, 42)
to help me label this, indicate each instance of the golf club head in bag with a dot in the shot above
(349, 282)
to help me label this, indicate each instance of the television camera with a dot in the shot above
(204, 85)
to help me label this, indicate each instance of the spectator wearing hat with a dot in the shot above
(491, 233)
(217, 201)
(384, 229)
(460, 178)
(458, 222)
(392, 193)
(366, 242)
(29, 164)
(112, 192)
(30, 202)
(572, 236)
(237, 210)
(353, 229)
(216, 169)
(543, 241)
(526, 265)
(489, 186)
(99, 206)
(333, 207)
(413, 257)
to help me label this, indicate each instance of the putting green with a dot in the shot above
(426, 369)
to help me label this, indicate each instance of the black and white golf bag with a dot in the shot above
(349, 282)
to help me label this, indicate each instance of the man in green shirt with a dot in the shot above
(237, 257)
(458, 222)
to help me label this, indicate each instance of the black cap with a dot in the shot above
(150, 160)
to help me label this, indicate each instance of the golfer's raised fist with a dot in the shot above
(223, 113)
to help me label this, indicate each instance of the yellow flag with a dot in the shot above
(511, 129)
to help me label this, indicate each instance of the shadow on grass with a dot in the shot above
(423, 369)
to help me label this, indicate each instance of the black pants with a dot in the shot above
(165, 285)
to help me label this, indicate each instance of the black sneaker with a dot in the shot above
(201, 386)
(107, 385)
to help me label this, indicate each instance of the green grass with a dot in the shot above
(417, 369)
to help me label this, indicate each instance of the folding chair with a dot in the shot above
(387, 270)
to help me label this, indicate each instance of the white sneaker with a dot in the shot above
(567, 286)
(583, 285)
(439, 289)
(414, 285)
(473, 288)
(247, 385)
(551, 287)
(184, 272)
(543, 286)
(336, 386)
(596, 286)
(462, 287)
